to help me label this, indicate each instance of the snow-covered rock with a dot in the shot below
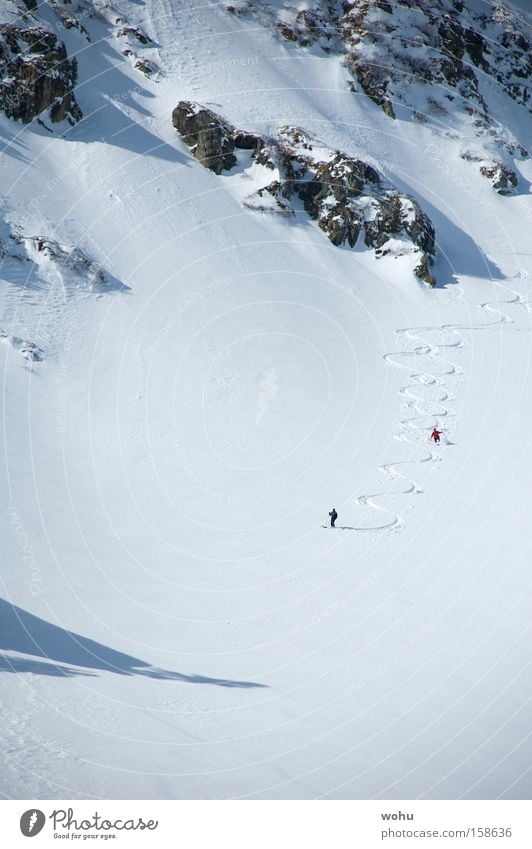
(440, 62)
(346, 196)
(36, 74)
(175, 621)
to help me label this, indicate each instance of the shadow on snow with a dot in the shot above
(27, 634)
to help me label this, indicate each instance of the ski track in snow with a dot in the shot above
(358, 686)
(436, 408)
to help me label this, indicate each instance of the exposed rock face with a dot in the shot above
(207, 134)
(134, 32)
(210, 137)
(71, 17)
(72, 258)
(344, 195)
(41, 251)
(270, 199)
(422, 60)
(37, 75)
(503, 179)
(438, 41)
(330, 191)
(29, 350)
(441, 44)
(134, 45)
(132, 41)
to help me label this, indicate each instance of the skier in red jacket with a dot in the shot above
(435, 435)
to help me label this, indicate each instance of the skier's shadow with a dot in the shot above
(59, 651)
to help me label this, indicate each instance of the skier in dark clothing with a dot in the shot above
(435, 435)
(334, 515)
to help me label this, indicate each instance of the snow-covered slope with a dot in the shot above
(191, 385)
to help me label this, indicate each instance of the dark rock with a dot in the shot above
(208, 135)
(503, 179)
(451, 35)
(342, 223)
(260, 201)
(419, 227)
(287, 32)
(268, 156)
(459, 51)
(247, 141)
(374, 81)
(277, 157)
(387, 221)
(476, 47)
(342, 194)
(338, 192)
(72, 258)
(422, 271)
(37, 74)
(341, 178)
(136, 33)
(29, 350)
(146, 67)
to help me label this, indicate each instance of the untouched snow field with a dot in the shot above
(175, 620)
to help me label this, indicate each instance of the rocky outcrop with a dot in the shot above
(209, 137)
(70, 16)
(349, 199)
(270, 199)
(131, 40)
(72, 258)
(28, 350)
(43, 251)
(346, 196)
(134, 33)
(503, 179)
(331, 193)
(36, 75)
(134, 45)
(421, 61)
(388, 46)
(392, 53)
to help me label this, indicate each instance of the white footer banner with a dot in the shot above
(268, 824)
